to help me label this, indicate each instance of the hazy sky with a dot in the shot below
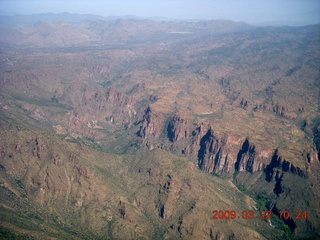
(253, 11)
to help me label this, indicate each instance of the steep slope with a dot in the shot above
(59, 189)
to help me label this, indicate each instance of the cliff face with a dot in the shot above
(238, 154)
(178, 128)
(150, 128)
(234, 153)
(278, 165)
(224, 156)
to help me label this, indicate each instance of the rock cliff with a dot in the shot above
(278, 165)
(231, 154)
(150, 128)
(219, 155)
(178, 128)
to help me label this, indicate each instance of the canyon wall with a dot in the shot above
(217, 155)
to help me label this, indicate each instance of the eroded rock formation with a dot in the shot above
(227, 155)
(150, 128)
(234, 153)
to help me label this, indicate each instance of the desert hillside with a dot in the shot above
(137, 129)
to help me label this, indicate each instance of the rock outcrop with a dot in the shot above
(178, 128)
(234, 153)
(150, 129)
(150, 124)
(272, 107)
(179, 133)
(278, 165)
(218, 155)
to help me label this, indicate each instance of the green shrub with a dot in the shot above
(263, 200)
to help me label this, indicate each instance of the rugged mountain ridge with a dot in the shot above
(225, 155)
(236, 104)
(68, 190)
(233, 156)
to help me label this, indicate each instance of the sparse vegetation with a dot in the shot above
(316, 132)
(243, 189)
(278, 223)
(234, 91)
(263, 200)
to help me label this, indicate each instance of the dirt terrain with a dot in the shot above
(134, 129)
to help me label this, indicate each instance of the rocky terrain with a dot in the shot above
(138, 129)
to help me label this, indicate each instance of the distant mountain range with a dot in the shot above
(14, 20)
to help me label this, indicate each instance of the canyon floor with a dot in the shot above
(137, 129)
